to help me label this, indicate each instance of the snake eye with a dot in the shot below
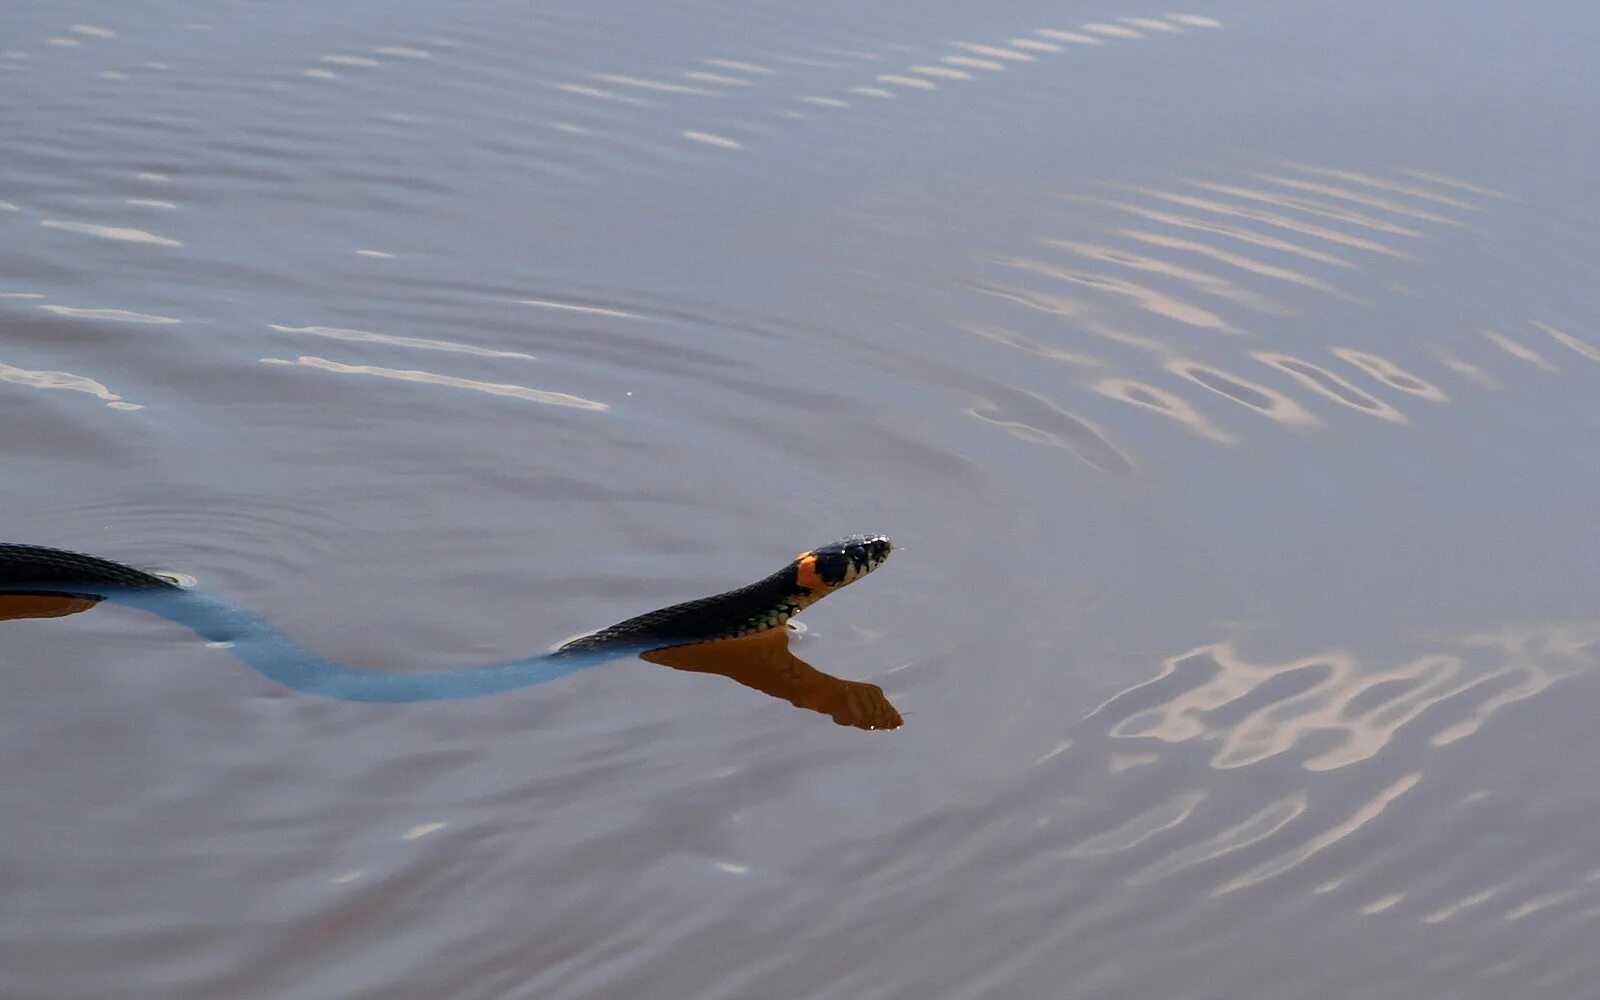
(858, 553)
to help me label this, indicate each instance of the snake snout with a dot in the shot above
(878, 549)
(867, 552)
(848, 560)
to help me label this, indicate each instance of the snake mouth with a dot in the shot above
(847, 560)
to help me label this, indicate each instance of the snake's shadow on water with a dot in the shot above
(762, 661)
(765, 662)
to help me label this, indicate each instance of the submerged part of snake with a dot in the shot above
(79, 581)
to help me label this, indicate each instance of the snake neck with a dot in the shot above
(766, 604)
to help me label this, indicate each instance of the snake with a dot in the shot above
(763, 606)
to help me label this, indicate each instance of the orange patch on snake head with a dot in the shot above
(805, 574)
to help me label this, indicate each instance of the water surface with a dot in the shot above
(1226, 377)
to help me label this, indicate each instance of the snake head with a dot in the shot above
(830, 567)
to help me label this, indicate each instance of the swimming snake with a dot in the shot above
(755, 610)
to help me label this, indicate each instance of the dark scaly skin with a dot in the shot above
(761, 605)
(40, 569)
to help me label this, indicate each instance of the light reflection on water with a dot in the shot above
(1225, 378)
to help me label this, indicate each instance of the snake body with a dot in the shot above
(766, 604)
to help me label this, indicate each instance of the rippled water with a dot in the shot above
(1226, 377)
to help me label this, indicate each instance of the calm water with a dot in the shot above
(1229, 378)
